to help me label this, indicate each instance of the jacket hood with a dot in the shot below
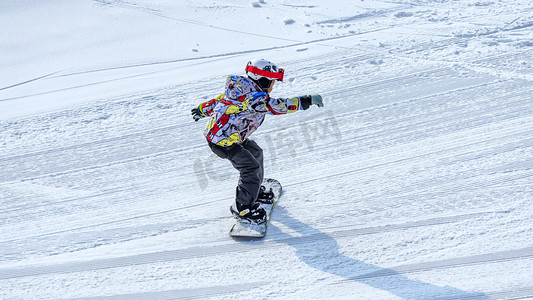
(238, 86)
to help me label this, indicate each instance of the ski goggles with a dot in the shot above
(271, 75)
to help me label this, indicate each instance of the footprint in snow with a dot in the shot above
(289, 21)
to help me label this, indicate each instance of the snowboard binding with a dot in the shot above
(265, 196)
(252, 214)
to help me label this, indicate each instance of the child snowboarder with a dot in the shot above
(235, 115)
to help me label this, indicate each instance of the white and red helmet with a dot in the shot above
(260, 68)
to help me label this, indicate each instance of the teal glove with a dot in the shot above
(306, 101)
(317, 100)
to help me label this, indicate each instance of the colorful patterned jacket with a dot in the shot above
(237, 113)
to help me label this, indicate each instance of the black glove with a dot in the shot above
(309, 100)
(196, 114)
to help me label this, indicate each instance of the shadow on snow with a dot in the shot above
(320, 251)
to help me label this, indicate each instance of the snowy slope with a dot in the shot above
(415, 180)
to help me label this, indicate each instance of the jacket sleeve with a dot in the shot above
(280, 106)
(260, 102)
(207, 107)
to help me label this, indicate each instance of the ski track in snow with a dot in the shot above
(410, 184)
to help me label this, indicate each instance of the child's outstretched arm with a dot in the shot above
(281, 106)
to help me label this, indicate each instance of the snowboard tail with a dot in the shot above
(242, 228)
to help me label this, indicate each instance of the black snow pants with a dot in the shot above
(247, 158)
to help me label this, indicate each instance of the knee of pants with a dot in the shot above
(252, 168)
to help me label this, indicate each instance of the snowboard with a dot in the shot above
(245, 229)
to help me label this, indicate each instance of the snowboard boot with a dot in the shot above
(250, 213)
(265, 196)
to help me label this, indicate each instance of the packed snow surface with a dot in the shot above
(415, 181)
